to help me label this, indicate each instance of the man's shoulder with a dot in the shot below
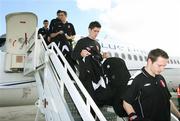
(96, 42)
(137, 75)
(68, 23)
(54, 20)
(83, 39)
(41, 29)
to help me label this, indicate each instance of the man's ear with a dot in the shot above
(149, 61)
(89, 30)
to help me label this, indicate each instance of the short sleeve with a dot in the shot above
(73, 30)
(40, 31)
(51, 26)
(132, 91)
(77, 50)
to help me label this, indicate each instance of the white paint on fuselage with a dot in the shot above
(27, 94)
(12, 92)
(136, 58)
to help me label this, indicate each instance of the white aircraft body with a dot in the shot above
(17, 89)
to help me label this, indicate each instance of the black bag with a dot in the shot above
(104, 96)
(118, 75)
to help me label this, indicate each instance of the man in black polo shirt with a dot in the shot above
(44, 31)
(63, 33)
(87, 53)
(68, 28)
(55, 28)
(147, 97)
(61, 30)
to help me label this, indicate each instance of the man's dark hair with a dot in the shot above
(45, 21)
(64, 12)
(59, 11)
(154, 54)
(94, 24)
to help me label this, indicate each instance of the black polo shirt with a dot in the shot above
(149, 96)
(84, 43)
(45, 33)
(69, 29)
(56, 25)
(54, 22)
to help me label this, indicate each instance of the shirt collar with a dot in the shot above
(147, 74)
(45, 28)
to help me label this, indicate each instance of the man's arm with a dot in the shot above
(49, 39)
(174, 110)
(132, 116)
(128, 107)
(52, 35)
(79, 52)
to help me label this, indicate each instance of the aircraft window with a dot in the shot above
(140, 57)
(129, 57)
(171, 61)
(112, 46)
(145, 58)
(174, 61)
(123, 56)
(178, 62)
(135, 57)
(116, 55)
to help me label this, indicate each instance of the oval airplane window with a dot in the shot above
(140, 57)
(178, 62)
(129, 57)
(123, 56)
(116, 55)
(135, 57)
(171, 61)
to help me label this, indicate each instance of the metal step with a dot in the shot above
(74, 111)
(110, 116)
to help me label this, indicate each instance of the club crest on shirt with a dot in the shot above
(162, 84)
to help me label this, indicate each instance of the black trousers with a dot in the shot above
(118, 76)
(66, 49)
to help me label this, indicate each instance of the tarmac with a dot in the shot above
(28, 112)
(19, 113)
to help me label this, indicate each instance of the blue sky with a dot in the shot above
(142, 23)
(46, 9)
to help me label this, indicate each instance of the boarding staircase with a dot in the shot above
(60, 98)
